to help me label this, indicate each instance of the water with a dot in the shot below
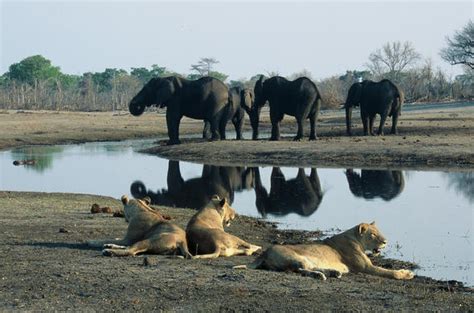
(427, 216)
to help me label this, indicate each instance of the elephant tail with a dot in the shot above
(398, 100)
(318, 100)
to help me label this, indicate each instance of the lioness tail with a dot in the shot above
(183, 248)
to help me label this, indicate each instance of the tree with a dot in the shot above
(237, 83)
(351, 77)
(218, 75)
(105, 80)
(141, 73)
(144, 75)
(204, 68)
(302, 73)
(392, 59)
(33, 69)
(460, 48)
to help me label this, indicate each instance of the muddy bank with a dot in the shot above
(349, 152)
(46, 266)
(22, 128)
(430, 139)
(426, 140)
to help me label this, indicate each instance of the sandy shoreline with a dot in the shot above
(46, 265)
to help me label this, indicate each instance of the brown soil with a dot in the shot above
(426, 140)
(46, 265)
(20, 128)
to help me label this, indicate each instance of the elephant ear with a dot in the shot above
(354, 95)
(246, 99)
(177, 82)
(164, 90)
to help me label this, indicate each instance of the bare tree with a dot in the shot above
(302, 73)
(460, 48)
(204, 66)
(392, 59)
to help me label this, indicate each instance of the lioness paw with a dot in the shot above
(252, 249)
(113, 246)
(334, 273)
(107, 252)
(404, 274)
(314, 274)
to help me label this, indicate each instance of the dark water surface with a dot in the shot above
(427, 216)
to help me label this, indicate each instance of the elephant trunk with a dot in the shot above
(348, 119)
(136, 109)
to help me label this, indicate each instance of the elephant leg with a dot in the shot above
(348, 120)
(214, 126)
(299, 134)
(383, 118)
(275, 119)
(365, 122)
(172, 121)
(394, 123)
(238, 122)
(371, 125)
(312, 125)
(222, 126)
(206, 134)
(275, 131)
(277, 180)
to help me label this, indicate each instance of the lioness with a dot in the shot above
(333, 256)
(147, 231)
(206, 235)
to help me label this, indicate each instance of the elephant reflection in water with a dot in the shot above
(301, 195)
(370, 184)
(196, 192)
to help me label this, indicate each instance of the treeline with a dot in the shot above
(34, 83)
(421, 84)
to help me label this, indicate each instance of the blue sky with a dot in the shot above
(323, 37)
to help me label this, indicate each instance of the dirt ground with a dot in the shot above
(47, 266)
(432, 139)
(426, 140)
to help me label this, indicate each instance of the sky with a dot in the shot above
(325, 38)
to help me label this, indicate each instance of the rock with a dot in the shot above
(95, 208)
(106, 209)
(119, 213)
(150, 261)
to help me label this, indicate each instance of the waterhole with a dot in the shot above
(427, 216)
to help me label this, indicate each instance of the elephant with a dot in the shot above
(299, 98)
(195, 193)
(301, 195)
(240, 101)
(205, 99)
(375, 183)
(383, 98)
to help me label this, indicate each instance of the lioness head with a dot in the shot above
(133, 206)
(371, 238)
(226, 212)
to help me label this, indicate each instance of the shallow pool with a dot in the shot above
(427, 216)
